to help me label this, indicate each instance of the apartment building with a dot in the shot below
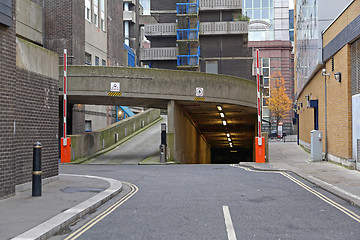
(207, 36)
(269, 32)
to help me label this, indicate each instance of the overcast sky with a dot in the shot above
(291, 4)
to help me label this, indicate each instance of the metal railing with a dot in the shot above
(217, 28)
(161, 29)
(220, 4)
(206, 28)
(158, 53)
(189, 60)
(187, 8)
(188, 34)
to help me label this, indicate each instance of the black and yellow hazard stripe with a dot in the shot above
(199, 99)
(115, 94)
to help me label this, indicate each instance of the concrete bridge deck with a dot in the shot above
(195, 129)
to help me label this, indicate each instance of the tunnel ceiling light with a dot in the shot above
(228, 135)
(231, 145)
(222, 115)
(224, 122)
(229, 139)
(219, 108)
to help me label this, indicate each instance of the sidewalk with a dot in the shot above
(343, 182)
(64, 200)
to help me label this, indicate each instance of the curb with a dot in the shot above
(66, 218)
(344, 195)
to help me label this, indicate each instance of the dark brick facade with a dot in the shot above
(7, 108)
(36, 121)
(116, 30)
(29, 110)
(65, 28)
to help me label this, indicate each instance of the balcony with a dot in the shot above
(211, 5)
(187, 9)
(185, 35)
(224, 28)
(162, 29)
(129, 16)
(188, 61)
(158, 53)
(206, 28)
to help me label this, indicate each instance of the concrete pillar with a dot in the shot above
(171, 130)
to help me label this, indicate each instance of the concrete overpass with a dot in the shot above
(196, 133)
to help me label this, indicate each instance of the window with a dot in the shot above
(88, 10)
(96, 12)
(103, 62)
(88, 126)
(211, 67)
(96, 61)
(102, 15)
(87, 58)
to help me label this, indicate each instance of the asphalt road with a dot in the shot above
(193, 201)
(135, 149)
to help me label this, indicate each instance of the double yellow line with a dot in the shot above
(316, 193)
(102, 215)
(324, 198)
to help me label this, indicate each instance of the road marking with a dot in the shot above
(309, 189)
(229, 225)
(324, 198)
(105, 213)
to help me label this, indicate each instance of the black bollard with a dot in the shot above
(36, 177)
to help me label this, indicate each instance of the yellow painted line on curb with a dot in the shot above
(105, 213)
(309, 189)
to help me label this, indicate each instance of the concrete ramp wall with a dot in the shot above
(186, 144)
(83, 145)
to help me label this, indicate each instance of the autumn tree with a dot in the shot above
(279, 102)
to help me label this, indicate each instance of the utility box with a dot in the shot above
(65, 150)
(316, 145)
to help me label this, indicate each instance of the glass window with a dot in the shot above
(265, 13)
(87, 58)
(249, 13)
(257, 13)
(88, 126)
(266, 92)
(271, 3)
(96, 61)
(88, 10)
(266, 82)
(265, 3)
(265, 103)
(256, 3)
(102, 5)
(103, 62)
(211, 67)
(265, 72)
(265, 62)
(248, 3)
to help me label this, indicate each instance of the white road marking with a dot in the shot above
(229, 225)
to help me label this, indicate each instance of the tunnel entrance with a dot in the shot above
(233, 156)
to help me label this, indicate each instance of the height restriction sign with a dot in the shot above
(115, 87)
(199, 92)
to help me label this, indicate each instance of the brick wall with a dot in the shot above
(65, 28)
(7, 104)
(116, 33)
(36, 121)
(338, 107)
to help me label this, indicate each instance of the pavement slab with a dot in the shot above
(62, 202)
